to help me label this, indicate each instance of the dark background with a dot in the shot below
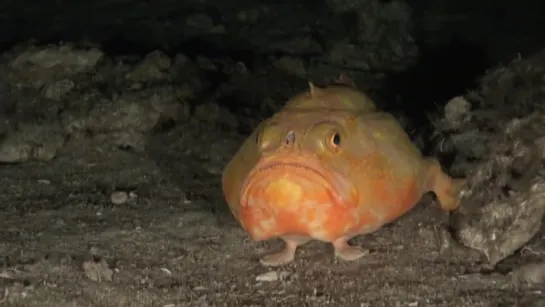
(464, 36)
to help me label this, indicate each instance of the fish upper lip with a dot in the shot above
(307, 163)
(328, 178)
(295, 165)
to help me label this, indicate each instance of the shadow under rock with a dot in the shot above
(441, 73)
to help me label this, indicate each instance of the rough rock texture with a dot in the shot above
(110, 192)
(498, 134)
(111, 152)
(299, 28)
(324, 36)
(62, 92)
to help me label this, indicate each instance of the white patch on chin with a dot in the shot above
(315, 226)
(267, 225)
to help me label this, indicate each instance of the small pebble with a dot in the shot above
(119, 197)
(272, 276)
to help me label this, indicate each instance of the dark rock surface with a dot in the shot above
(112, 146)
(498, 134)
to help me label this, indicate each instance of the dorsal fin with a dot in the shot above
(314, 90)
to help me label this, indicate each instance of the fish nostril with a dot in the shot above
(290, 138)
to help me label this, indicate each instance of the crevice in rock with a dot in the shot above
(440, 73)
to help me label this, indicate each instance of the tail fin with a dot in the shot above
(449, 192)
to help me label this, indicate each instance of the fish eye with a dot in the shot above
(336, 139)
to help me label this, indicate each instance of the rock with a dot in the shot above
(153, 67)
(136, 111)
(71, 60)
(498, 148)
(532, 273)
(12, 151)
(123, 101)
(56, 90)
(291, 65)
(119, 197)
(31, 142)
(212, 113)
(127, 112)
(457, 112)
(126, 139)
(499, 228)
(40, 66)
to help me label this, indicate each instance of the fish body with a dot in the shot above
(329, 166)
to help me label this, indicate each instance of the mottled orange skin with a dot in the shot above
(329, 166)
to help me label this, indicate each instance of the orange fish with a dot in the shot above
(329, 166)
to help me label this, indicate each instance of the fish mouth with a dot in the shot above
(306, 175)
